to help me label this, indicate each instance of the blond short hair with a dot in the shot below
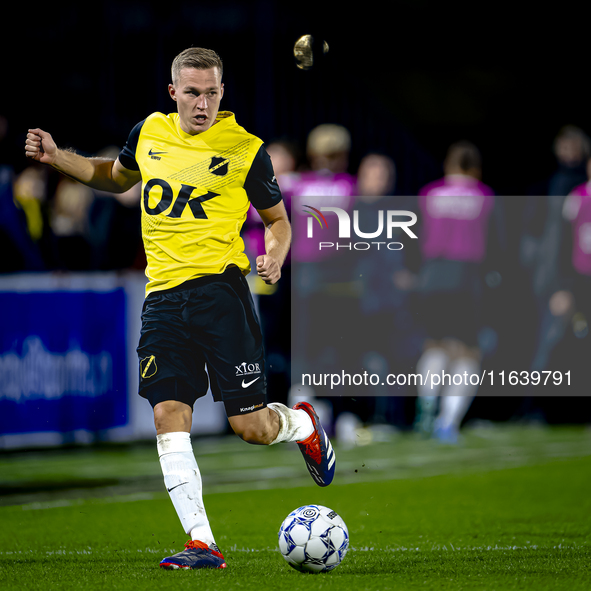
(327, 139)
(198, 58)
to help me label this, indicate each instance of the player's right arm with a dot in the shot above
(101, 174)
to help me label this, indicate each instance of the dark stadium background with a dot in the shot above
(406, 77)
(410, 77)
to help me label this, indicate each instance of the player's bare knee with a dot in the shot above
(172, 416)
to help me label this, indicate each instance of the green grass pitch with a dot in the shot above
(508, 509)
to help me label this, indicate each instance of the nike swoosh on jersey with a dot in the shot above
(249, 383)
(152, 153)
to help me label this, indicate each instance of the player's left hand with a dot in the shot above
(269, 269)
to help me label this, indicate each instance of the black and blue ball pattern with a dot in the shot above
(313, 538)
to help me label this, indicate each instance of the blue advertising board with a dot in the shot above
(63, 361)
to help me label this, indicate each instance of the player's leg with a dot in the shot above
(434, 358)
(430, 366)
(182, 478)
(316, 448)
(168, 364)
(279, 424)
(260, 427)
(463, 314)
(179, 467)
(172, 416)
(258, 423)
(274, 424)
(236, 364)
(457, 396)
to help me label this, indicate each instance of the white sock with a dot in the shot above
(457, 398)
(432, 361)
(294, 425)
(183, 483)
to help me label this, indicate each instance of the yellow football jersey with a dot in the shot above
(196, 192)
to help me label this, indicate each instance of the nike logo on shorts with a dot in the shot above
(249, 383)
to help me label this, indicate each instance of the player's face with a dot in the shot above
(198, 94)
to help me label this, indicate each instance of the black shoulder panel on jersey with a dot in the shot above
(260, 184)
(127, 155)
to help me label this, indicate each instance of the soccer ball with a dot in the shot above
(313, 539)
(306, 49)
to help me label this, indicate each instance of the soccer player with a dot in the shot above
(200, 171)
(326, 184)
(568, 305)
(456, 212)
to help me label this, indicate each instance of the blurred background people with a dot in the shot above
(456, 213)
(320, 278)
(22, 219)
(69, 215)
(113, 226)
(572, 148)
(376, 177)
(383, 319)
(563, 342)
(273, 302)
(543, 227)
(544, 254)
(286, 159)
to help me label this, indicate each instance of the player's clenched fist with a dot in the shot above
(40, 146)
(269, 269)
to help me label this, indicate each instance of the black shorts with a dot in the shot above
(203, 333)
(450, 300)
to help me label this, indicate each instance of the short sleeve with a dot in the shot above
(261, 185)
(127, 155)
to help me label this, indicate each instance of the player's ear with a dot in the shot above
(172, 92)
(222, 92)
